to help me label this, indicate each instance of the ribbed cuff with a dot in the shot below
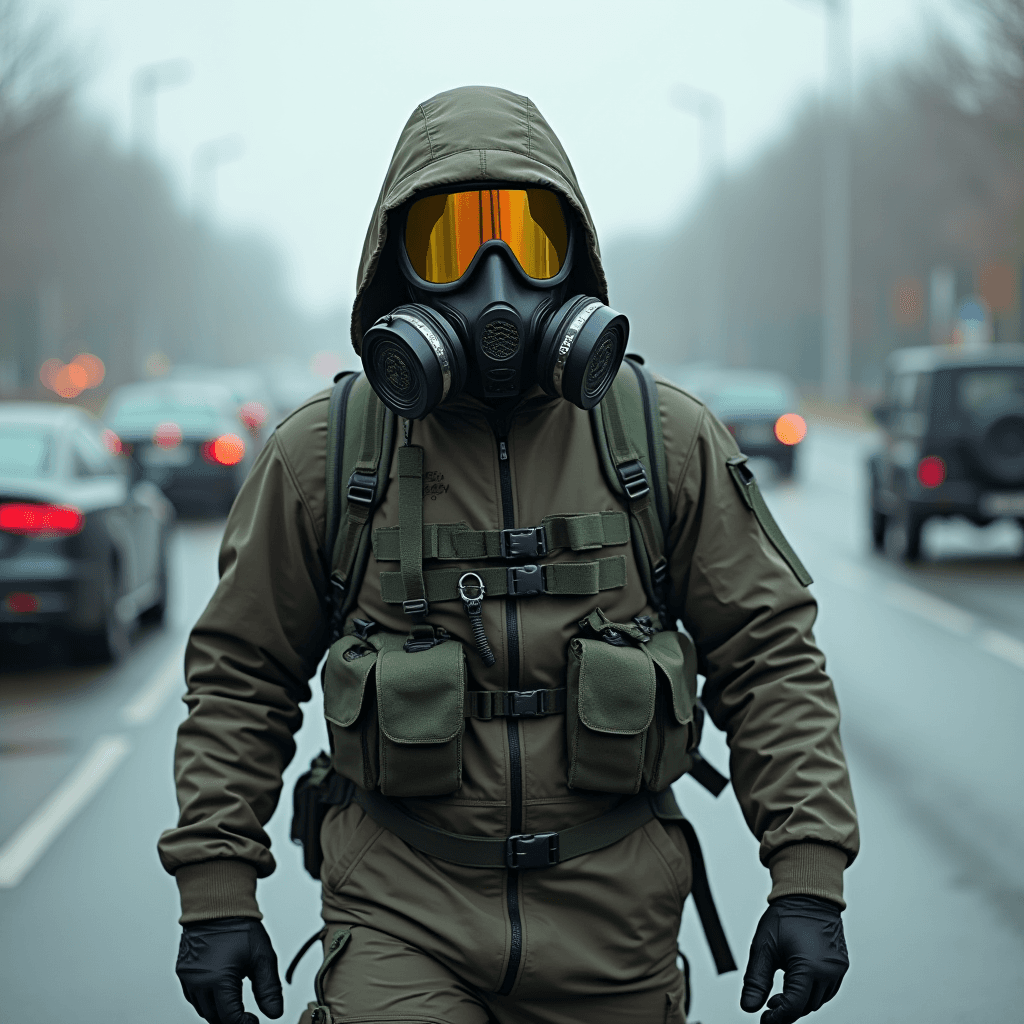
(810, 869)
(217, 888)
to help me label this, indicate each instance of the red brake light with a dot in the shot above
(21, 603)
(790, 428)
(931, 471)
(253, 415)
(34, 520)
(226, 450)
(167, 435)
(112, 441)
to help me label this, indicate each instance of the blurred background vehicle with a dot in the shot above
(187, 438)
(952, 424)
(249, 390)
(759, 408)
(83, 549)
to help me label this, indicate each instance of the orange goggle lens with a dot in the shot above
(444, 232)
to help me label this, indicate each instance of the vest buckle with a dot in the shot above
(531, 851)
(526, 703)
(528, 542)
(633, 478)
(525, 580)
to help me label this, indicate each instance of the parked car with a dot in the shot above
(759, 408)
(187, 438)
(952, 441)
(83, 550)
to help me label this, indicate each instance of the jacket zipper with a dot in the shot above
(512, 725)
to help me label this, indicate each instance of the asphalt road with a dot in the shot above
(929, 665)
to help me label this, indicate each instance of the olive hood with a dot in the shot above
(475, 133)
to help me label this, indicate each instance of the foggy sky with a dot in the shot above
(319, 90)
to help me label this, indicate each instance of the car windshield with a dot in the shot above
(140, 414)
(749, 397)
(25, 451)
(979, 390)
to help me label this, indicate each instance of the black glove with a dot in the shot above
(214, 957)
(802, 936)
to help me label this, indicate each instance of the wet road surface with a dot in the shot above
(929, 665)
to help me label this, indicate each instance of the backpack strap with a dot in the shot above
(360, 438)
(410, 532)
(627, 426)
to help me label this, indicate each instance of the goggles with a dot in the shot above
(444, 232)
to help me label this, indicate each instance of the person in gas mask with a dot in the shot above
(507, 693)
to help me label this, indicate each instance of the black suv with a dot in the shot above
(953, 425)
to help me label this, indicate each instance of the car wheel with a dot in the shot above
(113, 641)
(878, 524)
(903, 536)
(154, 615)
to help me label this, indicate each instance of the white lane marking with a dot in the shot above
(926, 606)
(1002, 646)
(21, 852)
(148, 701)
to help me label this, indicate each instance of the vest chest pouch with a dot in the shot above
(630, 707)
(396, 718)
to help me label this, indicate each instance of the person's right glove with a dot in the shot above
(213, 958)
(803, 937)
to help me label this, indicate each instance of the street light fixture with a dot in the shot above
(710, 110)
(146, 82)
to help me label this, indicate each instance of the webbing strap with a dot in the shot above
(456, 541)
(484, 852)
(410, 529)
(560, 578)
(706, 909)
(488, 704)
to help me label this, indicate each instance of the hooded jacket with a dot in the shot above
(264, 631)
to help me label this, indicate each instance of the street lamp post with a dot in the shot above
(709, 109)
(206, 160)
(146, 82)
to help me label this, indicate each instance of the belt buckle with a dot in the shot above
(525, 580)
(527, 542)
(526, 703)
(532, 851)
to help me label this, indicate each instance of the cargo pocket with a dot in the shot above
(673, 733)
(421, 713)
(350, 707)
(610, 706)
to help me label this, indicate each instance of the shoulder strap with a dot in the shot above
(360, 438)
(627, 427)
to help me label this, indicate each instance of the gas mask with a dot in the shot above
(487, 272)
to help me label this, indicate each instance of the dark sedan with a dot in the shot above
(82, 549)
(187, 438)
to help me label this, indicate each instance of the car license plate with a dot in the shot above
(1002, 503)
(179, 455)
(755, 433)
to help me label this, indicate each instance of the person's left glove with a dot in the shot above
(803, 937)
(213, 958)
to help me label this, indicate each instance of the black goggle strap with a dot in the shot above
(456, 541)
(571, 579)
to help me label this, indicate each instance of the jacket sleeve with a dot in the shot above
(247, 665)
(766, 687)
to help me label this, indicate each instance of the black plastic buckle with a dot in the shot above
(362, 628)
(526, 703)
(538, 851)
(633, 478)
(525, 580)
(362, 488)
(528, 542)
(417, 608)
(660, 572)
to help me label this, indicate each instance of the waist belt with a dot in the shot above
(546, 849)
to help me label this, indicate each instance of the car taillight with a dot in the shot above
(226, 450)
(34, 520)
(167, 435)
(931, 471)
(790, 428)
(253, 415)
(21, 603)
(112, 441)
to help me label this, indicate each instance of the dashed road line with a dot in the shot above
(927, 606)
(151, 697)
(23, 850)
